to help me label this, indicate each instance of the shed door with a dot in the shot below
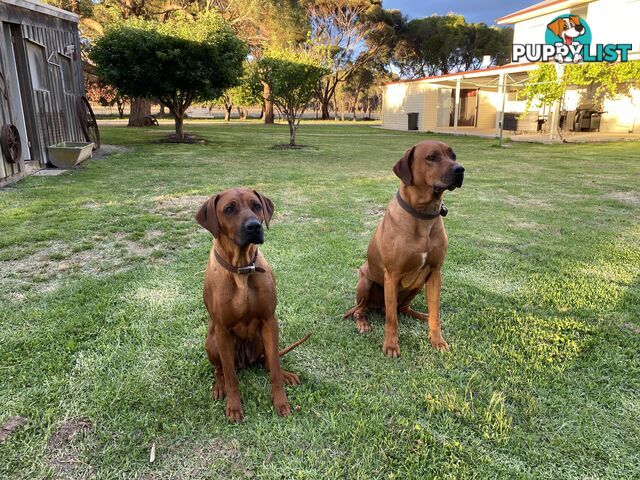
(24, 65)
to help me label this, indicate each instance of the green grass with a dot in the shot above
(102, 319)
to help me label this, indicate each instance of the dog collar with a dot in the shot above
(246, 270)
(421, 215)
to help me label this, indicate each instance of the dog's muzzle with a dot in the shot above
(457, 177)
(251, 232)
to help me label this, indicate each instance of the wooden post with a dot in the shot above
(456, 108)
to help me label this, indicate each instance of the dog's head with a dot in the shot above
(237, 213)
(430, 164)
(567, 28)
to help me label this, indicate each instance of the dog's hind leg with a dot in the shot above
(405, 307)
(218, 391)
(363, 292)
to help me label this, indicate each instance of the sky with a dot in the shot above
(473, 10)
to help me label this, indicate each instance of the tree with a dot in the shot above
(358, 83)
(104, 95)
(264, 23)
(438, 45)
(293, 76)
(339, 30)
(175, 62)
(609, 81)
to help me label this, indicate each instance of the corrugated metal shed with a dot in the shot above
(40, 80)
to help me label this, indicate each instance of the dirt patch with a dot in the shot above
(628, 198)
(525, 202)
(213, 458)
(67, 431)
(631, 327)
(10, 426)
(106, 150)
(187, 138)
(286, 146)
(48, 267)
(65, 445)
(179, 207)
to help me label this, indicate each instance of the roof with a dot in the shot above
(43, 8)
(547, 6)
(484, 72)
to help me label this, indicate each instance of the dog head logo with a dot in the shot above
(569, 33)
(567, 38)
(567, 28)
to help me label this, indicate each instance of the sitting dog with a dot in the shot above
(240, 296)
(409, 245)
(567, 29)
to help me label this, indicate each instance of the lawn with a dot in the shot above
(102, 325)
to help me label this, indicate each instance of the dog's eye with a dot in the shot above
(452, 155)
(229, 209)
(432, 157)
(256, 207)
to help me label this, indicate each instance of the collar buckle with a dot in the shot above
(248, 270)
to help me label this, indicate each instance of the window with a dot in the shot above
(37, 66)
(67, 73)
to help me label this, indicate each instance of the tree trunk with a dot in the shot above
(261, 114)
(162, 111)
(140, 108)
(227, 113)
(268, 104)
(179, 126)
(325, 108)
(292, 133)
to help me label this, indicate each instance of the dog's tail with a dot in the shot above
(350, 312)
(288, 348)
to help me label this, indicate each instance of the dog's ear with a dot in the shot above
(575, 19)
(267, 207)
(556, 26)
(207, 216)
(402, 168)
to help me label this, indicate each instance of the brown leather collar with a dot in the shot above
(246, 270)
(421, 215)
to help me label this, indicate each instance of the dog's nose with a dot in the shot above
(252, 226)
(458, 170)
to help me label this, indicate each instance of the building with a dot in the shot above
(41, 84)
(481, 101)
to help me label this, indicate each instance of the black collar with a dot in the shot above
(246, 270)
(421, 215)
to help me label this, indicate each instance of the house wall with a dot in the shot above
(399, 99)
(487, 108)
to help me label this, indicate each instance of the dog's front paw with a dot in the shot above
(281, 404)
(438, 342)
(234, 410)
(391, 349)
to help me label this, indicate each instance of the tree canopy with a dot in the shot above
(293, 76)
(442, 44)
(175, 62)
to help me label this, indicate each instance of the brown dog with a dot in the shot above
(240, 296)
(409, 245)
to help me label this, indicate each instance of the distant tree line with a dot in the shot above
(357, 44)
